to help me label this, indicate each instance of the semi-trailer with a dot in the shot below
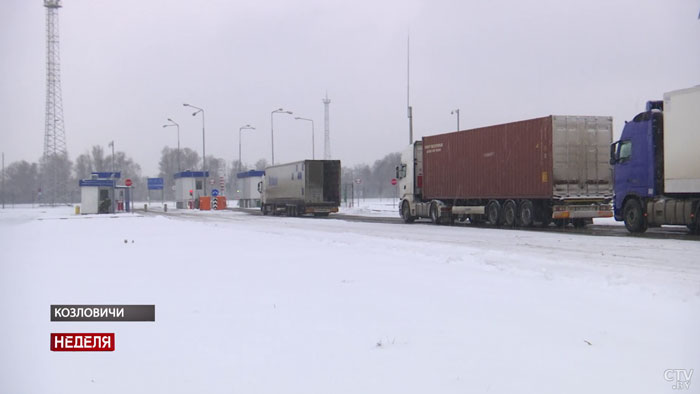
(302, 187)
(656, 164)
(554, 168)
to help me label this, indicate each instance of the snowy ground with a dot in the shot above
(255, 304)
(371, 207)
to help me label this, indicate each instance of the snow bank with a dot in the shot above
(258, 304)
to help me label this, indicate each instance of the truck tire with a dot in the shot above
(526, 213)
(435, 213)
(509, 213)
(635, 221)
(494, 213)
(263, 209)
(406, 213)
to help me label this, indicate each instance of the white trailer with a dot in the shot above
(302, 187)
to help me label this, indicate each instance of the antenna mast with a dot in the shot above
(408, 90)
(54, 131)
(327, 132)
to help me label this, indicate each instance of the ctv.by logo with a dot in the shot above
(680, 377)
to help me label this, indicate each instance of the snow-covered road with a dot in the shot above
(256, 304)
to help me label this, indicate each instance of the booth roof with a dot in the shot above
(191, 174)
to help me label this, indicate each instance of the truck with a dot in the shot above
(536, 171)
(656, 164)
(302, 187)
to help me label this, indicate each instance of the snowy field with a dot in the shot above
(253, 304)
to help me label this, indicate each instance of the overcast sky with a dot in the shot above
(129, 65)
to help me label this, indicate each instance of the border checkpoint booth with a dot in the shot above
(186, 182)
(248, 187)
(101, 194)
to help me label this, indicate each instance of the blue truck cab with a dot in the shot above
(646, 192)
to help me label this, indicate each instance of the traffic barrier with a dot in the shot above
(204, 203)
(221, 202)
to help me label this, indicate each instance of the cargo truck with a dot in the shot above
(302, 187)
(554, 168)
(656, 164)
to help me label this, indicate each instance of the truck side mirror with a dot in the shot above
(397, 172)
(259, 187)
(613, 153)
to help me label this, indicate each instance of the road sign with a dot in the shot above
(128, 182)
(214, 192)
(358, 180)
(155, 183)
(393, 181)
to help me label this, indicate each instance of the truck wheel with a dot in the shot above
(264, 211)
(526, 213)
(406, 213)
(435, 213)
(509, 213)
(493, 213)
(634, 218)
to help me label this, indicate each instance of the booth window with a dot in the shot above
(199, 185)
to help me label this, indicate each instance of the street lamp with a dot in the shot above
(112, 145)
(178, 140)
(272, 129)
(313, 149)
(204, 152)
(246, 127)
(456, 112)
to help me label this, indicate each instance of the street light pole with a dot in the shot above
(178, 140)
(313, 149)
(112, 145)
(456, 112)
(204, 151)
(246, 127)
(272, 129)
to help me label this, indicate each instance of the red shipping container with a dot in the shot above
(550, 157)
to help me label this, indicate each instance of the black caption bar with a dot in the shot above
(103, 313)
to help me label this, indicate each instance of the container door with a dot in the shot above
(314, 181)
(581, 146)
(331, 185)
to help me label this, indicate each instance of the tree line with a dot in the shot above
(24, 182)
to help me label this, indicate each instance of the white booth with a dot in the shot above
(248, 186)
(101, 194)
(189, 186)
(97, 196)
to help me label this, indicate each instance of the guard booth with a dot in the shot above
(97, 196)
(101, 194)
(248, 187)
(189, 186)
